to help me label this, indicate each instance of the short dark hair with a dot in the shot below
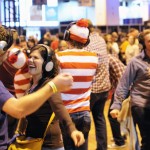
(76, 44)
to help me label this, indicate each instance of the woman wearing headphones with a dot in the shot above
(42, 66)
(42, 71)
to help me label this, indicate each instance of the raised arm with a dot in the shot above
(26, 105)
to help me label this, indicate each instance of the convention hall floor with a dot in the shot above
(92, 140)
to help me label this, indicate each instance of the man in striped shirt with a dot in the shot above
(82, 65)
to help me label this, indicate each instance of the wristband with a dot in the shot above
(53, 86)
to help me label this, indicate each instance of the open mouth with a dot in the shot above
(30, 65)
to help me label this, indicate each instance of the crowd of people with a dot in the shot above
(72, 74)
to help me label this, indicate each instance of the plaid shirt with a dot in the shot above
(116, 69)
(97, 44)
(109, 69)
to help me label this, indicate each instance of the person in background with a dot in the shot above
(82, 65)
(36, 38)
(135, 33)
(62, 45)
(115, 36)
(108, 66)
(26, 105)
(112, 47)
(132, 49)
(56, 43)
(136, 78)
(46, 39)
(23, 43)
(31, 43)
(22, 38)
(39, 58)
(115, 45)
(100, 87)
(123, 45)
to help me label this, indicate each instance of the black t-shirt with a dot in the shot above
(37, 123)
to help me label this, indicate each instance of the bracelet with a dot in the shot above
(53, 86)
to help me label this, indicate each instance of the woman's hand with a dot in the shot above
(63, 82)
(77, 137)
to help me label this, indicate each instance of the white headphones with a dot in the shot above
(48, 64)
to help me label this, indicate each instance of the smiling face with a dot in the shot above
(35, 63)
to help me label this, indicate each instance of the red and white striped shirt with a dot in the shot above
(22, 81)
(82, 65)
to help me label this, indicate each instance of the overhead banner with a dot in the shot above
(51, 13)
(39, 2)
(36, 13)
(85, 2)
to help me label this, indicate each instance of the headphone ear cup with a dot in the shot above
(49, 66)
(66, 35)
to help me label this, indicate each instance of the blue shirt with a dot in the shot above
(4, 96)
(136, 78)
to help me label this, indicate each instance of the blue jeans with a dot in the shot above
(82, 122)
(97, 104)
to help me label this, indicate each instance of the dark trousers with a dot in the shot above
(97, 104)
(141, 117)
(115, 127)
(12, 124)
(82, 121)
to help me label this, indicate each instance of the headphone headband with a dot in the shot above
(67, 34)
